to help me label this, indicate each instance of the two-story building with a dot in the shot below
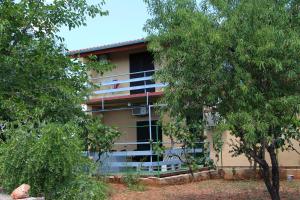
(126, 98)
(126, 92)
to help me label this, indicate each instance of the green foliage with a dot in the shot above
(132, 181)
(184, 132)
(83, 188)
(49, 157)
(204, 158)
(220, 54)
(239, 56)
(46, 156)
(37, 80)
(218, 141)
(41, 92)
(44, 18)
(189, 136)
(158, 148)
(99, 137)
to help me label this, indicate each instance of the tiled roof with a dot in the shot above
(108, 46)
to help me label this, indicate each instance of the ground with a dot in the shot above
(212, 190)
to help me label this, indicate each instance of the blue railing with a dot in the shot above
(172, 158)
(121, 82)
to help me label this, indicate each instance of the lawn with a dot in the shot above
(212, 190)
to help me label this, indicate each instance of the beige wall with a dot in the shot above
(121, 61)
(126, 124)
(286, 158)
(290, 158)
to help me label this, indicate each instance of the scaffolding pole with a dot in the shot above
(150, 130)
(150, 134)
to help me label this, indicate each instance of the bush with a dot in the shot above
(83, 188)
(46, 156)
(132, 182)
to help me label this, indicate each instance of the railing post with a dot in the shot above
(157, 155)
(147, 98)
(145, 90)
(150, 136)
(102, 105)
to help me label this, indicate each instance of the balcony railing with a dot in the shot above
(146, 162)
(142, 81)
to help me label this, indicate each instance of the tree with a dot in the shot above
(41, 91)
(238, 57)
(190, 137)
(99, 137)
(36, 78)
(47, 157)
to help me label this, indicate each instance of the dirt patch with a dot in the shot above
(211, 189)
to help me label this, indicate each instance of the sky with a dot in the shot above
(125, 22)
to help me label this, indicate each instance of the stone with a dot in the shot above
(5, 197)
(214, 174)
(201, 176)
(149, 181)
(229, 175)
(21, 192)
(221, 173)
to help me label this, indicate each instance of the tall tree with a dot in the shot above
(36, 78)
(41, 91)
(239, 57)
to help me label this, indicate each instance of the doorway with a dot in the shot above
(140, 62)
(143, 135)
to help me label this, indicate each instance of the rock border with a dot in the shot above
(225, 174)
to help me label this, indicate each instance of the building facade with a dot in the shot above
(127, 98)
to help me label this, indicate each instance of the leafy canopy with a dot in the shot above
(238, 57)
(41, 92)
(36, 78)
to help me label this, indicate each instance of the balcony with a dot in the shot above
(148, 162)
(126, 84)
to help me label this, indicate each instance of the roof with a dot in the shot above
(106, 47)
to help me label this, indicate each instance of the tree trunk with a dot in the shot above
(254, 162)
(275, 173)
(189, 163)
(273, 191)
(271, 181)
(191, 171)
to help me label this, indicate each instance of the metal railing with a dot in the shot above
(143, 156)
(146, 162)
(142, 80)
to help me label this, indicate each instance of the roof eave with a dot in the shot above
(123, 46)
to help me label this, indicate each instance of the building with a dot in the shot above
(127, 97)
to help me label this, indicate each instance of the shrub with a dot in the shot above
(132, 182)
(83, 188)
(46, 156)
